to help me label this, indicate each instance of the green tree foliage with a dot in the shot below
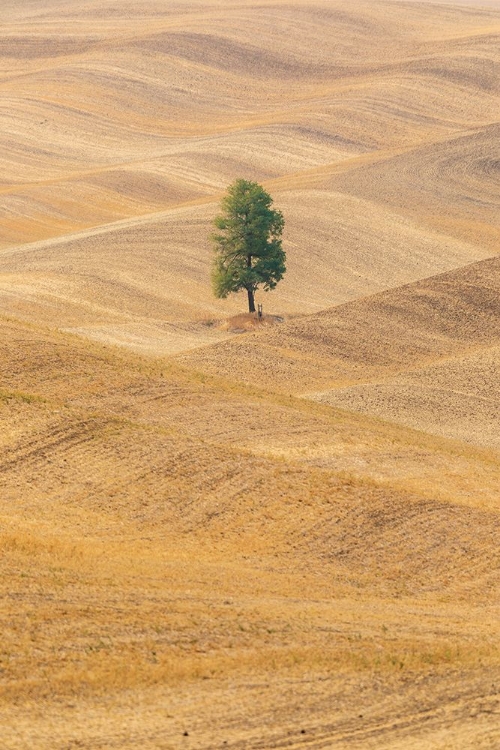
(247, 245)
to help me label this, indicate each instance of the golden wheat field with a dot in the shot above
(218, 534)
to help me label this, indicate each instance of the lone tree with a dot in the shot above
(247, 245)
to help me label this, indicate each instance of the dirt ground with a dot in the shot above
(217, 533)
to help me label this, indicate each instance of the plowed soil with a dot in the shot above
(217, 532)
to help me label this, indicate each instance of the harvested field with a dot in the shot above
(224, 531)
(147, 553)
(373, 128)
(425, 354)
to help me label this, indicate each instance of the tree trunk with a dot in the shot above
(251, 301)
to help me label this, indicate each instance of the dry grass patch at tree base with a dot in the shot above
(249, 322)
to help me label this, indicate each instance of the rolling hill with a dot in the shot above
(282, 538)
(163, 529)
(384, 137)
(424, 354)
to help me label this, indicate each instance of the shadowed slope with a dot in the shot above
(440, 335)
(458, 398)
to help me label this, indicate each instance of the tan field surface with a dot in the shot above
(219, 532)
(426, 354)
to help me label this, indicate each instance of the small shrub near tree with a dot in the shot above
(247, 243)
